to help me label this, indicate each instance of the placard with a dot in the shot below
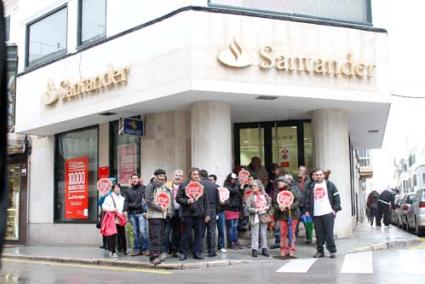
(127, 162)
(247, 193)
(162, 199)
(194, 190)
(260, 201)
(104, 185)
(285, 198)
(224, 194)
(77, 188)
(243, 176)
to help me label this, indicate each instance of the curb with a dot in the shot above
(387, 245)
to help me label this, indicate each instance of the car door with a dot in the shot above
(410, 214)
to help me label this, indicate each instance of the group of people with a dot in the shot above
(379, 206)
(173, 217)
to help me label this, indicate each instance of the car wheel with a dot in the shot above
(420, 231)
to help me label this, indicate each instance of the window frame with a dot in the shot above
(50, 57)
(80, 43)
(55, 190)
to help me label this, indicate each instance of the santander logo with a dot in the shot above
(234, 56)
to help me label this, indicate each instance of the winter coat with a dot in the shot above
(154, 210)
(333, 196)
(112, 202)
(234, 203)
(197, 209)
(135, 200)
(253, 210)
(283, 215)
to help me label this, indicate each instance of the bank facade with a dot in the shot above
(215, 84)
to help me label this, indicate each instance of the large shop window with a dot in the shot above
(92, 21)
(124, 155)
(76, 163)
(46, 37)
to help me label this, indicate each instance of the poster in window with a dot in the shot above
(77, 188)
(127, 162)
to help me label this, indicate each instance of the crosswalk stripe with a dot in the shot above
(357, 263)
(410, 262)
(297, 265)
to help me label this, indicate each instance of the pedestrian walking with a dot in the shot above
(232, 208)
(114, 205)
(258, 205)
(194, 201)
(323, 202)
(372, 206)
(385, 205)
(159, 205)
(135, 206)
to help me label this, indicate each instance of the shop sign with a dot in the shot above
(271, 57)
(162, 199)
(194, 190)
(104, 185)
(131, 127)
(68, 90)
(127, 162)
(223, 193)
(285, 198)
(76, 188)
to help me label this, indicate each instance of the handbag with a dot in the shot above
(99, 221)
(265, 218)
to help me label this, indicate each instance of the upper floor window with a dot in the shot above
(46, 37)
(7, 28)
(92, 20)
(355, 11)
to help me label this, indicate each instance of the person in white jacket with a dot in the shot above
(115, 203)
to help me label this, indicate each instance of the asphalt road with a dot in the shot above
(387, 266)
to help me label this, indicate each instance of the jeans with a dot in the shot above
(232, 230)
(211, 227)
(140, 230)
(277, 233)
(221, 223)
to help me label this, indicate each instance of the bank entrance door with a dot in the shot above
(286, 143)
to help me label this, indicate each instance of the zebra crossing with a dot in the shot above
(409, 261)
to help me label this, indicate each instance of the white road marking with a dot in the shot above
(410, 262)
(297, 265)
(357, 263)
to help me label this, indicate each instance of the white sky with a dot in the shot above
(405, 22)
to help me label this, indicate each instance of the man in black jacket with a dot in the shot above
(213, 203)
(322, 202)
(135, 207)
(195, 214)
(385, 204)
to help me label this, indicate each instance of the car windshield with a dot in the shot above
(410, 199)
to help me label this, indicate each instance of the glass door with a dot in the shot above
(12, 226)
(285, 147)
(251, 144)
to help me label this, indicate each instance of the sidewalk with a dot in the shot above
(364, 238)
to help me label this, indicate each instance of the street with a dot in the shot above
(386, 266)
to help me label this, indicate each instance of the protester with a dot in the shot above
(195, 214)
(323, 201)
(135, 206)
(258, 205)
(159, 202)
(176, 218)
(284, 214)
(232, 209)
(372, 206)
(302, 181)
(258, 170)
(221, 219)
(114, 203)
(385, 205)
(101, 216)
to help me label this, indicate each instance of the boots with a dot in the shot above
(265, 252)
(254, 253)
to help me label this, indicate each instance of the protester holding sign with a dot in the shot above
(221, 219)
(232, 208)
(258, 205)
(159, 203)
(114, 203)
(285, 204)
(194, 201)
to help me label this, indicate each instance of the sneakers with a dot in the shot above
(156, 261)
(275, 246)
(291, 254)
(265, 252)
(163, 256)
(223, 250)
(234, 246)
(332, 255)
(135, 253)
(115, 255)
(319, 254)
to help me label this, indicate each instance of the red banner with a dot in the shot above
(194, 189)
(285, 198)
(77, 188)
(127, 162)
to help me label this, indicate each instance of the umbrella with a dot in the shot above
(290, 227)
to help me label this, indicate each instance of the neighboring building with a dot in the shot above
(409, 172)
(215, 82)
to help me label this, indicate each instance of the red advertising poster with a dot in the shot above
(194, 189)
(285, 198)
(127, 162)
(243, 176)
(162, 199)
(77, 188)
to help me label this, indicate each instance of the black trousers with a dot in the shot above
(176, 233)
(167, 232)
(120, 237)
(156, 236)
(210, 227)
(324, 228)
(197, 224)
(383, 210)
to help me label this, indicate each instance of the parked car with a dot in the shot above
(396, 213)
(406, 205)
(416, 220)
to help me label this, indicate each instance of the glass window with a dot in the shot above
(125, 155)
(285, 148)
(92, 20)
(12, 226)
(12, 66)
(340, 10)
(76, 163)
(47, 37)
(308, 146)
(7, 28)
(251, 144)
